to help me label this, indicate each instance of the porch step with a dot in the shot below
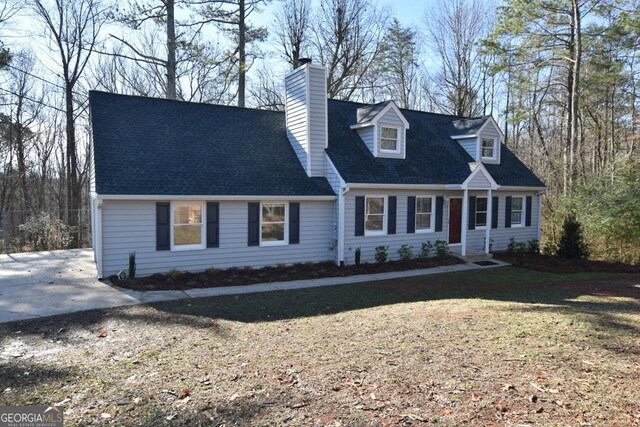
(473, 256)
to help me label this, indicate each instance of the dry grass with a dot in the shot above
(496, 347)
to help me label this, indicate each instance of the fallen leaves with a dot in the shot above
(102, 333)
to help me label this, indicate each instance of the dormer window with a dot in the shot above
(389, 139)
(488, 148)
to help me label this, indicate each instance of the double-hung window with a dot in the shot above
(187, 225)
(389, 139)
(273, 224)
(375, 215)
(488, 148)
(424, 214)
(481, 212)
(517, 209)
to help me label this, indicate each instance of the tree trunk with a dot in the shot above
(171, 50)
(575, 50)
(73, 190)
(242, 54)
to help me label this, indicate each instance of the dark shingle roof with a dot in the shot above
(146, 146)
(432, 156)
(469, 126)
(367, 113)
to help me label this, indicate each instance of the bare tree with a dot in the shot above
(73, 27)
(267, 90)
(7, 10)
(292, 29)
(346, 39)
(453, 30)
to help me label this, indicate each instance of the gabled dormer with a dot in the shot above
(480, 137)
(383, 129)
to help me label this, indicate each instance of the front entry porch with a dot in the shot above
(471, 255)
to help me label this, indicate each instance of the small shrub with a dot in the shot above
(517, 249)
(212, 271)
(45, 232)
(358, 255)
(248, 268)
(132, 265)
(571, 244)
(281, 265)
(405, 252)
(441, 248)
(381, 254)
(549, 248)
(511, 247)
(533, 247)
(426, 250)
(174, 274)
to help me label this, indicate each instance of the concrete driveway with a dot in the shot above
(38, 284)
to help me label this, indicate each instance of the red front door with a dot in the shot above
(455, 221)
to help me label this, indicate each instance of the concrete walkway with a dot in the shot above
(40, 284)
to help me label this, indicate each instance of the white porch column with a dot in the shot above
(340, 237)
(487, 236)
(465, 222)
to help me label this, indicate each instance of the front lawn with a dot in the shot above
(503, 346)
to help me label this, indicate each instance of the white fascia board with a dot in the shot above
(391, 105)
(335, 169)
(495, 124)
(521, 188)
(475, 135)
(361, 125)
(209, 197)
(353, 185)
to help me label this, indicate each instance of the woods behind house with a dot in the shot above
(561, 78)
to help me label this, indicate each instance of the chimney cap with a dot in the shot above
(304, 61)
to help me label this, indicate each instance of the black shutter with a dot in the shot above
(527, 217)
(507, 212)
(411, 214)
(439, 204)
(359, 215)
(472, 212)
(213, 224)
(254, 224)
(294, 223)
(494, 212)
(162, 226)
(391, 217)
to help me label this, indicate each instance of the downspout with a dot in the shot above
(343, 190)
(98, 237)
(539, 216)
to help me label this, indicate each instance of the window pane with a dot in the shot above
(187, 234)
(187, 213)
(516, 203)
(273, 213)
(391, 133)
(375, 205)
(374, 222)
(423, 205)
(481, 219)
(388, 144)
(487, 152)
(423, 221)
(272, 232)
(516, 217)
(481, 204)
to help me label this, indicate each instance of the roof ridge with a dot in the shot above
(100, 92)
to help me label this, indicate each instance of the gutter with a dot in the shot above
(208, 197)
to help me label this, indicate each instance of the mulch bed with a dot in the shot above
(178, 280)
(563, 265)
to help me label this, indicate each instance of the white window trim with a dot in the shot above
(432, 227)
(284, 242)
(398, 149)
(203, 232)
(522, 212)
(482, 227)
(384, 216)
(495, 149)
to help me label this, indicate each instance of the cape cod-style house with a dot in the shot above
(192, 186)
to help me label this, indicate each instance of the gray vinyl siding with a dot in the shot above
(500, 236)
(391, 118)
(490, 131)
(367, 244)
(367, 135)
(479, 181)
(131, 226)
(296, 113)
(470, 145)
(317, 119)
